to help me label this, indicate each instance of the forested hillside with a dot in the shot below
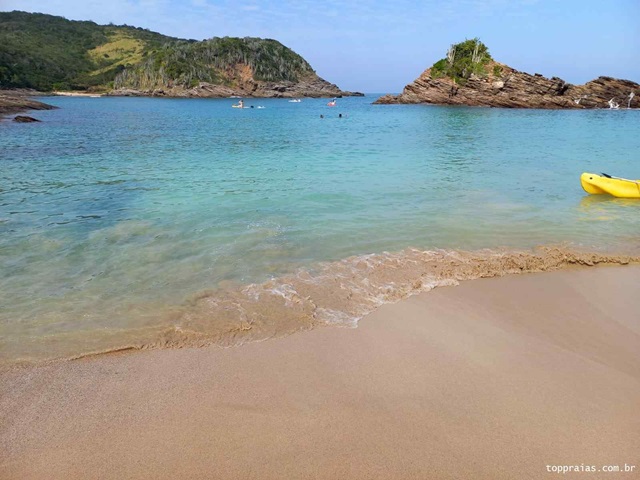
(45, 52)
(226, 61)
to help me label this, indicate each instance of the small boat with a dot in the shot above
(295, 100)
(332, 103)
(616, 186)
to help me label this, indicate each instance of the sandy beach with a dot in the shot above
(76, 94)
(495, 378)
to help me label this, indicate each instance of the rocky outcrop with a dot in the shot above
(513, 89)
(312, 87)
(24, 119)
(15, 101)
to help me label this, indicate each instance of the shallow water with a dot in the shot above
(119, 215)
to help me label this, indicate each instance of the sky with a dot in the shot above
(376, 46)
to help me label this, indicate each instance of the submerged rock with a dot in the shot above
(25, 119)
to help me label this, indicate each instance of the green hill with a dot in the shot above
(46, 52)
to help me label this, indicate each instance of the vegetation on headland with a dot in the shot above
(463, 60)
(46, 52)
(218, 60)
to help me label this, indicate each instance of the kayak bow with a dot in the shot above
(616, 186)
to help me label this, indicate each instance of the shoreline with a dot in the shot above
(76, 94)
(327, 293)
(495, 378)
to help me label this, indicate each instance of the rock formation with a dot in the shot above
(507, 87)
(15, 101)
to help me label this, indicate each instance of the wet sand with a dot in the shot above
(495, 378)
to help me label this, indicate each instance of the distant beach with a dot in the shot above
(77, 94)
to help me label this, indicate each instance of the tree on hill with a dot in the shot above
(463, 60)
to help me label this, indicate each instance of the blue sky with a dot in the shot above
(380, 46)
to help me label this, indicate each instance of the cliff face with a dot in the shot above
(311, 86)
(513, 89)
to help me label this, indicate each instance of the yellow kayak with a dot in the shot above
(616, 186)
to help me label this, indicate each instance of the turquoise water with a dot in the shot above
(115, 212)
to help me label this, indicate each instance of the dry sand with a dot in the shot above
(77, 94)
(496, 378)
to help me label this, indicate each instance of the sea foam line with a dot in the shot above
(340, 293)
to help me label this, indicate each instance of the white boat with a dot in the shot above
(295, 100)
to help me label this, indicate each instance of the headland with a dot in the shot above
(470, 76)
